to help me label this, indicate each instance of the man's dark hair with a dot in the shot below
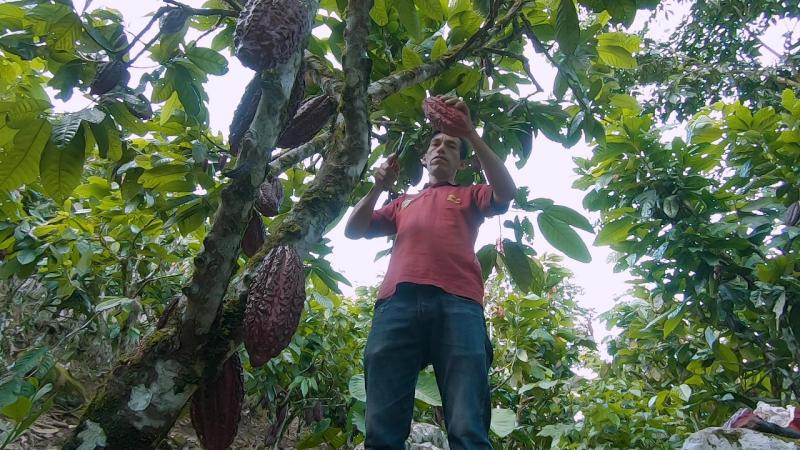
(463, 148)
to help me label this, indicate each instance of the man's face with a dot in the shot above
(443, 157)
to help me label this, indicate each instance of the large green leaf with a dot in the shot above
(65, 129)
(61, 168)
(569, 216)
(504, 421)
(358, 390)
(487, 257)
(379, 13)
(518, 265)
(427, 390)
(568, 28)
(431, 9)
(616, 56)
(408, 17)
(209, 60)
(20, 164)
(561, 236)
(614, 232)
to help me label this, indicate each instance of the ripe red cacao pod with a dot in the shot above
(254, 235)
(275, 301)
(311, 117)
(268, 32)
(217, 406)
(269, 197)
(108, 76)
(446, 118)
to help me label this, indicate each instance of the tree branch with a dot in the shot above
(297, 154)
(398, 81)
(521, 58)
(323, 75)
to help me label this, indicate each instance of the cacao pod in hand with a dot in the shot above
(446, 118)
(217, 406)
(269, 197)
(274, 303)
(244, 113)
(312, 115)
(108, 76)
(792, 214)
(254, 235)
(269, 31)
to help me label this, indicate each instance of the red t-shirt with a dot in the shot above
(435, 243)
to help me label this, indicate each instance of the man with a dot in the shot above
(430, 305)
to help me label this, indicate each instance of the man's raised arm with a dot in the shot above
(359, 221)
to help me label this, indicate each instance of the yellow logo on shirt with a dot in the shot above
(453, 199)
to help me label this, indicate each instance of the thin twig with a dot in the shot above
(525, 64)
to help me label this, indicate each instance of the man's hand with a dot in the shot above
(458, 104)
(387, 173)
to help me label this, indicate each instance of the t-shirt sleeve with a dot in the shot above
(483, 198)
(383, 221)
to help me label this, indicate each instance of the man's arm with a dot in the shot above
(361, 217)
(503, 186)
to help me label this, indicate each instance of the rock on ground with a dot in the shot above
(736, 439)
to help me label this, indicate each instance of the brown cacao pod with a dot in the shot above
(269, 197)
(269, 31)
(446, 118)
(792, 214)
(254, 235)
(244, 113)
(275, 300)
(108, 76)
(312, 115)
(173, 21)
(217, 406)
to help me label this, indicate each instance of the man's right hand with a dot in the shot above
(387, 173)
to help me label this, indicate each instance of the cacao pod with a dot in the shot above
(217, 406)
(792, 214)
(275, 300)
(254, 235)
(311, 117)
(268, 32)
(173, 21)
(244, 113)
(109, 75)
(446, 118)
(269, 197)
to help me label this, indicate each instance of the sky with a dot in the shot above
(548, 173)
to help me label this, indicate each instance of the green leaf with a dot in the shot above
(616, 56)
(409, 18)
(570, 217)
(614, 232)
(487, 257)
(439, 48)
(410, 58)
(358, 390)
(61, 168)
(672, 205)
(208, 60)
(504, 421)
(673, 320)
(629, 42)
(20, 164)
(65, 130)
(431, 9)
(169, 107)
(518, 265)
(727, 357)
(568, 28)
(563, 237)
(379, 13)
(427, 390)
(18, 410)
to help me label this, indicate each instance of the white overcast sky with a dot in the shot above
(549, 172)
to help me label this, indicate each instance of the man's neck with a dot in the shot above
(433, 180)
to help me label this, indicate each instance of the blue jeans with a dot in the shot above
(419, 325)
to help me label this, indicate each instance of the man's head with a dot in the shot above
(444, 156)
